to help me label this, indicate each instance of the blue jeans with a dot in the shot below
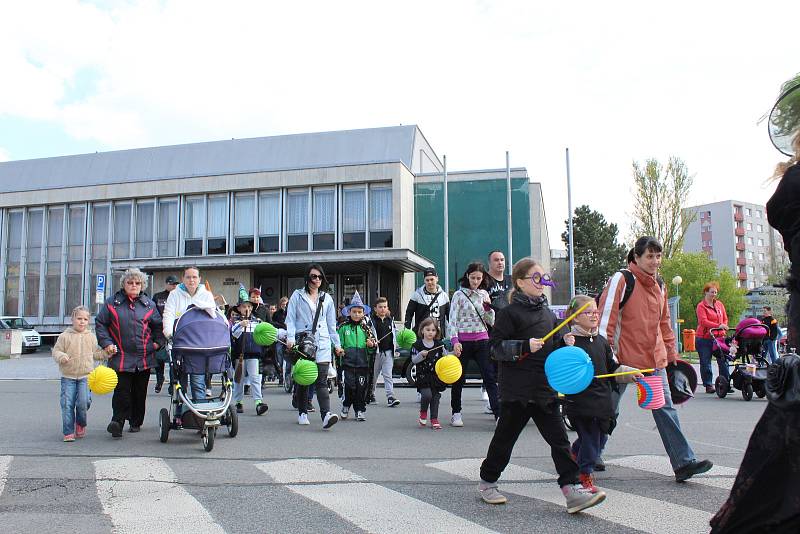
(704, 350)
(772, 352)
(74, 401)
(589, 443)
(197, 385)
(669, 427)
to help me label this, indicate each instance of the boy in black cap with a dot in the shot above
(160, 300)
(429, 300)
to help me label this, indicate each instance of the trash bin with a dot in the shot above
(688, 340)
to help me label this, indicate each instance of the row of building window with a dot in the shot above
(45, 248)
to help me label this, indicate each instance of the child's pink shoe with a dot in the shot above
(69, 437)
(80, 431)
(435, 424)
(423, 418)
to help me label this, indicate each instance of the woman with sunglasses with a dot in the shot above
(516, 342)
(300, 314)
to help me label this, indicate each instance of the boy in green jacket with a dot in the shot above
(358, 344)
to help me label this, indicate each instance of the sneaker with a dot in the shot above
(487, 409)
(391, 402)
(435, 424)
(261, 408)
(423, 418)
(80, 431)
(587, 481)
(311, 408)
(345, 411)
(115, 429)
(490, 494)
(329, 420)
(695, 467)
(157, 389)
(579, 498)
(361, 416)
(134, 428)
(302, 419)
(456, 420)
(69, 437)
(599, 464)
(178, 424)
(239, 407)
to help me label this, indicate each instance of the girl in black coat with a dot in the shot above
(424, 353)
(592, 410)
(516, 342)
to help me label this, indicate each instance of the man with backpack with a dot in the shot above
(642, 338)
(429, 300)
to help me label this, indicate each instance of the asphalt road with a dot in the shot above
(382, 475)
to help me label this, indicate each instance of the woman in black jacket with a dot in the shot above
(129, 331)
(516, 341)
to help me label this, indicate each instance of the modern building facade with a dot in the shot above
(738, 237)
(250, 211)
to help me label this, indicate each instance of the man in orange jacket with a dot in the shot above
(641, 337)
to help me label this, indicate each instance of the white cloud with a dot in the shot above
(614, 82)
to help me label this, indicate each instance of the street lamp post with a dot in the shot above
(677, 281)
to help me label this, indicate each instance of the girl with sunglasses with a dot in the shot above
(516, 342)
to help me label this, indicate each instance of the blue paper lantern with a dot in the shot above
(569, 370)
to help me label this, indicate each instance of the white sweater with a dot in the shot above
(179, 300)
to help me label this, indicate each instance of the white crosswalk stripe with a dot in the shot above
(717, 477)
(128, 486)
(348, 500)
(630, 510)
(5, 461)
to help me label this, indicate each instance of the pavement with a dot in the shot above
(384, 475)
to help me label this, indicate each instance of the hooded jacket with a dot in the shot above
(133, 326)
(75, 353)
(300, 316)
(595, 400)
(422, 305)
(179, 301)
(354, 342)
(640, 334)
(709, 317)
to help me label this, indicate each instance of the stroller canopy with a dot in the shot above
(202, 342)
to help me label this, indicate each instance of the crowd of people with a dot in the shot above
(499, 321)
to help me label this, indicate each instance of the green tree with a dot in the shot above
(597, 253)
(660, 194)
(697, 269)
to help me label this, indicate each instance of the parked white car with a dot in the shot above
(31, 339)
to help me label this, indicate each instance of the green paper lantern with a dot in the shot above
(265, 334)
(305, 372)
(405, 338)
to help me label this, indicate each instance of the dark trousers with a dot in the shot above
(321, 386)
(589, 443)
(513, 418)
(478, 351)
(429, 398)
(356, 384)
(129, 398)
(159, 372)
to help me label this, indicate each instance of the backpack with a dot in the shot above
(630, 284)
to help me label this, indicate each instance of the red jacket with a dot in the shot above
(710, 317)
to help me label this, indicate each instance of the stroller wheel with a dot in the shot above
(163, 424)
(721, 387)
(747, 391)
(208, 438)
(232, 422)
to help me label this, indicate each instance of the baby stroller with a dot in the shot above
(200, 345)
(743, 349)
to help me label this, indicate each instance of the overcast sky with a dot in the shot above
(613, 81)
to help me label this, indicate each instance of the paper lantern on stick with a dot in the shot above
(448, 369)
(102, 380)
(569, 370)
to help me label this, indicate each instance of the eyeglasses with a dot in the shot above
(315, 277)
(592, 313)
(539, 278)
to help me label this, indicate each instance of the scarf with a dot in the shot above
(532, 303)
(582, 332)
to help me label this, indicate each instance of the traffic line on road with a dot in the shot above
(142, 495)
(718, 477)
(347, 500)
(5, 461)
(627, 509)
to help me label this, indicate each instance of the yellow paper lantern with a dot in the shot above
(102, 380)
(448, 369)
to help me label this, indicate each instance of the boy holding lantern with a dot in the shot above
(358, 343)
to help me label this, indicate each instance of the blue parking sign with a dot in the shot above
(101, 283)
